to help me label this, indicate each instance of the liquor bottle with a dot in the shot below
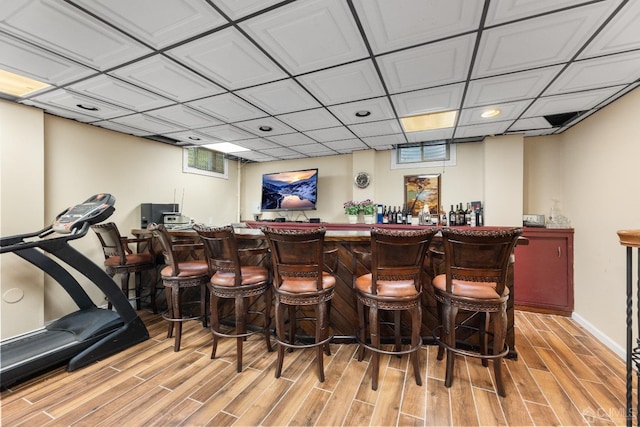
(459, 215)
(379, 213)
(385, 215)
(404, 214)
(409, 216)
(467, 215)
(473, 218)
(393, 216)
(452, 217)
(480, 217)
(443, 217)
(399, 216)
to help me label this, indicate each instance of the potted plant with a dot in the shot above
(368, 209)
(352, 208)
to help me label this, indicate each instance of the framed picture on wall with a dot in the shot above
(421, 191)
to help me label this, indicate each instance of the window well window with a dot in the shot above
(202, 161)
(424, 154)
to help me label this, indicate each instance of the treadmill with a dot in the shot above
(86, 335)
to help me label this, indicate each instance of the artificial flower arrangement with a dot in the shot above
(351, 207)
(367, 207)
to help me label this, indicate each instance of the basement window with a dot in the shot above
(424, 154)
(202, 161)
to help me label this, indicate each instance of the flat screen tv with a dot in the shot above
(289, 191)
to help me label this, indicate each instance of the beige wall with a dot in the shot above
(21, 211)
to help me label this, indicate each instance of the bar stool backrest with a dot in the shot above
(221, 249)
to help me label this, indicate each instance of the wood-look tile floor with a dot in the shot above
(563, 376)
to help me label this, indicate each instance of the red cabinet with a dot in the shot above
(543, 271)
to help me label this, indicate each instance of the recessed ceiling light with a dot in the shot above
(265, 128)
(17, 85)
(444, 119)
(363, 113)
(490, 113)
(226, 147)
(87, 107)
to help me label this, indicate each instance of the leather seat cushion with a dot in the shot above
(131, 259)
(187, 269)
(250, 275)
(466, 288)
(305, 284)
(387, 288)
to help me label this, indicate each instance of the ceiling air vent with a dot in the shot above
(559, 120)
(165, 139)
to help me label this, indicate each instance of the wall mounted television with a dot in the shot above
(289, 191)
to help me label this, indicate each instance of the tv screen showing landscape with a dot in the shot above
(295, 190)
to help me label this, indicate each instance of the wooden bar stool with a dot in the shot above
(476, 266)
(395, 285)
(120, 259)
(299, 280)
(231, 280)
(177, 276)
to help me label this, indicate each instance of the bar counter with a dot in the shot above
(349, 239)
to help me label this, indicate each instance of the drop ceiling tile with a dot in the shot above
(236, 9)
(313, 149)
(383, 127)
(71, 101)
(255, 156)
(345, 83)
(443, 98)
(508, 111)
(568, 103)
(530, 123)
(481, 130)
(380, 109)
(25, 59)
(228, 108)
(147, 123)
(292, 139)
(191, 137)
(346, 144)
(619, 35)
(510, 10)
(157, 26)
(257, 144)
(389, 27)
(229, 59)
(318, 118)
(40, 21)
(330, 134)
(598, 72)
(510, 87)
(119, 93)
(183, 116)
(164, 77)
(278, 152)
(60, 112)
(121, 128)
(378, 142)
(430, 135)
(549, 39)
(306, 36)
(427, 66)
(253, 126)
(284, 96)
(227, 133)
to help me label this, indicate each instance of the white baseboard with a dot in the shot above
(617, 349)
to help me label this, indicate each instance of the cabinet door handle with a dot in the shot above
(559, 252)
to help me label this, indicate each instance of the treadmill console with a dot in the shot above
(93, 210)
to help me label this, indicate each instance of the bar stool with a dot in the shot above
(299, 280)
(231, 280)
(394, 284)
(120, 259)
(475, 279)
(177, 276)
